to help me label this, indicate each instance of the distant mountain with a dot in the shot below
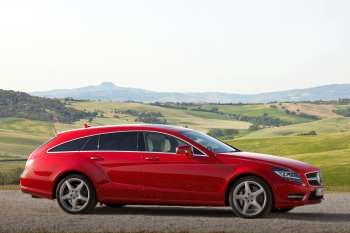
(109, 91)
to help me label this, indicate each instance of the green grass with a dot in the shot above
(10, 172)
(324, 126)
(330, 149)
(19, 137)
(37, 128)
(295, 144)
(342, 106)
(329, 152)
(259, 110)
(180, 117)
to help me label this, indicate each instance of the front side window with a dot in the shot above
(157, 142)
(122, 141)
(208, 142)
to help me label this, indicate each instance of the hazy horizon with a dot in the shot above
(243, 47)
(108, 82)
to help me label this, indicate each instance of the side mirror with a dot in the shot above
(185, 150)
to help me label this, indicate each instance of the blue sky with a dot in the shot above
(183, 45)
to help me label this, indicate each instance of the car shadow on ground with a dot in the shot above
(166, 211)
(216, 213)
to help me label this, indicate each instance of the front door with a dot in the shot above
(171, 178)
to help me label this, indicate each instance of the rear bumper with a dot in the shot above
(34, 188)
(292, 195)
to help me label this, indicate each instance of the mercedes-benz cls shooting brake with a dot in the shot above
(164, 165)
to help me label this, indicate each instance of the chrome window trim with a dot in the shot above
(140, 131)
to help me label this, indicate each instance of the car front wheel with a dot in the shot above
(76, 195)
(250, 197)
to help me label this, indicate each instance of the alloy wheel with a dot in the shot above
(250, 197)
(74, 194)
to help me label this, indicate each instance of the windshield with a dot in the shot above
(208, 142)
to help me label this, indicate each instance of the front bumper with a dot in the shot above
(292, 195)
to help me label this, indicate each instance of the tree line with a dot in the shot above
(23, 105)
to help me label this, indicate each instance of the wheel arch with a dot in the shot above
(246, 174)
(65, 174)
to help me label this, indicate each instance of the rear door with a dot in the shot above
(121, 161)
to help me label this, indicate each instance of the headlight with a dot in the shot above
(288, 175)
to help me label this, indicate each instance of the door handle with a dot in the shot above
(152, 158)
(96, 158)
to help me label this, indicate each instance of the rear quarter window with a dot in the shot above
(75, 145)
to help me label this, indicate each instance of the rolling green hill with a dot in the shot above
(328, 149)
(22, 105)
(330, 152)
(324, 126)
(181, 117)
(19, 137)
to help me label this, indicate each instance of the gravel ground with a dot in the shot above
(19, 212)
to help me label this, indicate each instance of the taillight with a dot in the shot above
(29, 162)
(27, 167)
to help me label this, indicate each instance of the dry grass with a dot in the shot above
(320, 110)
(9, 187)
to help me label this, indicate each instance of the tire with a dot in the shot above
(281, 210)
(250, 197)
(114, 206)
(76, 194)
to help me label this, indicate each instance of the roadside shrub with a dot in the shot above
(223, 133)
(344, 112)
(144, 116)
(10, 176)
(310, 133)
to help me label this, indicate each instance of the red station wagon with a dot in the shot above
(164, 165)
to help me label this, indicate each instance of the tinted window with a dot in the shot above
(197, 152)
(157, 142)
(208, 142)
(91, 144)
(74, 145)
(119, 141)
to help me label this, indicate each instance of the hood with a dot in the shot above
(273, 160)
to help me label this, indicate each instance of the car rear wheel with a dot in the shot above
(250, 197)
(76, 195)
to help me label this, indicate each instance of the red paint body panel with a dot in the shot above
(159, 178)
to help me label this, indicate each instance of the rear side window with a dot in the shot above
(74, 145)
(125, 141)
(91, 144)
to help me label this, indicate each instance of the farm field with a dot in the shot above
(327, 147)
(329, 152)
(324, 126)
(181, 117)
(260, 109)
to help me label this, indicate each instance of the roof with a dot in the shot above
(110, 128)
